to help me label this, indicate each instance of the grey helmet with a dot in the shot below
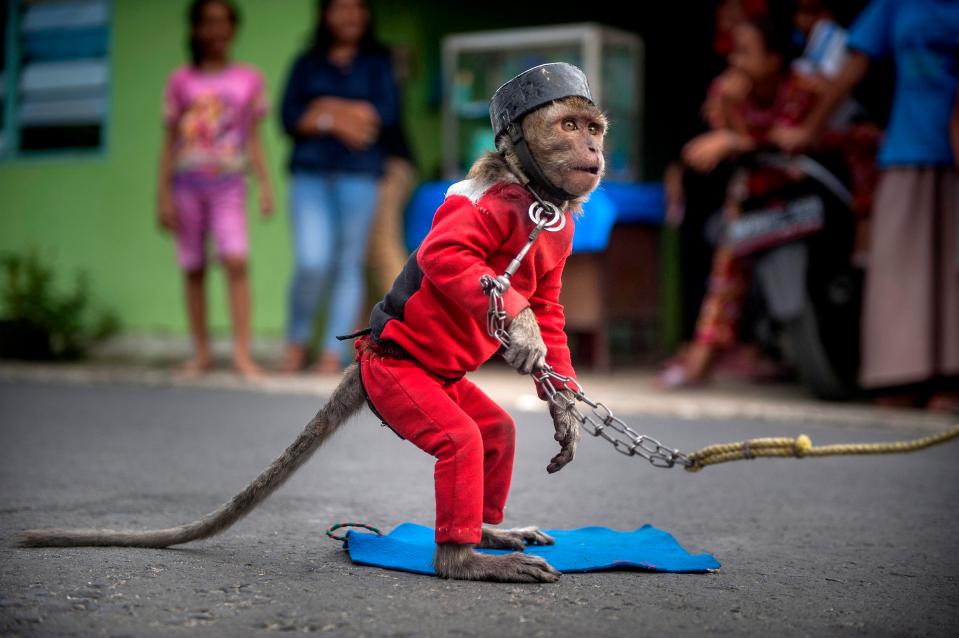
(525, 93)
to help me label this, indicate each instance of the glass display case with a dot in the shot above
(476, 64)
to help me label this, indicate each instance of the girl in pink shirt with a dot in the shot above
(212, 110)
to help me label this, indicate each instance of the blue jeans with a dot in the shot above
(331, 217)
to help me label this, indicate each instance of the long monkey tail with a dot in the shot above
(347, 399)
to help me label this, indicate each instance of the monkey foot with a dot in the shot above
(515, 539)
(462, 563)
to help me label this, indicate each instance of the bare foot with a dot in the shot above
(689, 372)
(463, 563)
(195, 367)
(675, 377)
(515, 539)
(293, 359)
(247, 369)
(699, 361)
(328, 363)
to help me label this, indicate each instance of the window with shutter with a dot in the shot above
(5, 12)
(57, 76)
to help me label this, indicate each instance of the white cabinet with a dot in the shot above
(476, 64)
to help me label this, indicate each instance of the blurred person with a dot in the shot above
(757, 92)
(387, 249)
(850, 128)
(212, 110)
(693, 199)
(727, 15)
(825, 40)
(910, 340)
(339, 96)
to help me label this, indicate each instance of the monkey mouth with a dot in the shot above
(592, 170)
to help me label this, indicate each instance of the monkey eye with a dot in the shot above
(569, 125)
(595, 129)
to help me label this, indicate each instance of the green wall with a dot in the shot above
(97, 212)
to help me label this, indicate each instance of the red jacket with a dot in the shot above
(436, 310)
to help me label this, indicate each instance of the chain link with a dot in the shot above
(600, 421)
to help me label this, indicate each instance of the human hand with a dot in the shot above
(526, 351)
(356, 123)
(792, 139)
(166, 211)
(813, 83)
(734, 86)
(267, 205)
(567, 430)
(704, 152)
(725, 98)
(318, 118)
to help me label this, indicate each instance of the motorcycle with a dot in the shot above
(796, 228)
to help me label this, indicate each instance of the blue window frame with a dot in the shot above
(54, 77)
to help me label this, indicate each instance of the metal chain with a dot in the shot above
(600, 422)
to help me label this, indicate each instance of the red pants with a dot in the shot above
(472, 438)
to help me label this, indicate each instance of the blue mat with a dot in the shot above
(409, 548)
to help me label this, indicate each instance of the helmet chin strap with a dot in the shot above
(535, 174)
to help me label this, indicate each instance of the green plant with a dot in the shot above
(30, 301)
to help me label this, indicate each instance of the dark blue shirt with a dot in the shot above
(368, 77)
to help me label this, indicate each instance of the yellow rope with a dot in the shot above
(802, 446)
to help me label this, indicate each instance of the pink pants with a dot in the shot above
(209, 205)
(472, 438)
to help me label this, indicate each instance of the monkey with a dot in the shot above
(564, 135)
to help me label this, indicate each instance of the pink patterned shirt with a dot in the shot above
(212, 114)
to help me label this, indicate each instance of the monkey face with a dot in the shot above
(566, 140)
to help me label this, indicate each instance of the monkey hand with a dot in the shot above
(567, 431)
(526, 351)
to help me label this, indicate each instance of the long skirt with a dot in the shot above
(911, 312)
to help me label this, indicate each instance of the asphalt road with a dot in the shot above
(861, 546)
